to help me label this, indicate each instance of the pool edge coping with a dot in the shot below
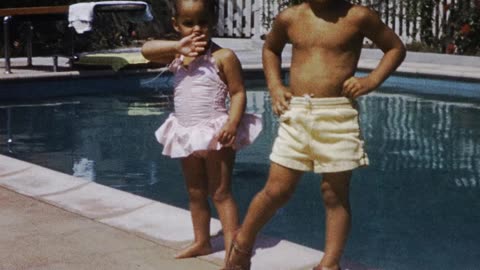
(410, 69)
(81, 196)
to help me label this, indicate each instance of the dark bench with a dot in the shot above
(48, 13)
(27, 14)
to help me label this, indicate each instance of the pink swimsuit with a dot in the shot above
(200, 111)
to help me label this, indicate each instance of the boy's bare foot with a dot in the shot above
(238, 258)
(194, 250)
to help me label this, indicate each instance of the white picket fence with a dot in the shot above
(252, 18)
(239, 18)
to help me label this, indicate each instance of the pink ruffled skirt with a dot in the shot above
(181, 141)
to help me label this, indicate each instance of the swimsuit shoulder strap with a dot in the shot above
(211, 59)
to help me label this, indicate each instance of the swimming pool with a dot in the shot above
(414, 207)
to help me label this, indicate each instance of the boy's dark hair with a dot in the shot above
(212, 7)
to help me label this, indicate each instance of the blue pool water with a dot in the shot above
(415, 207)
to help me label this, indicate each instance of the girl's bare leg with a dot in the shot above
(280, 186)
(335, 192)
(219, 170)
(194, 171)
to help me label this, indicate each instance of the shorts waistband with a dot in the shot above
(307, 100)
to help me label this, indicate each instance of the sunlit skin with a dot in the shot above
(209, 177)
(323, 64)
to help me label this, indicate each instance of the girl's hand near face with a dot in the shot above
(192, 45)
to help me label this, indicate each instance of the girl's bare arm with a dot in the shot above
(231, 70)
(164, 51)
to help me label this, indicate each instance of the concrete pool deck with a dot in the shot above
(50, 220)
(249, 53)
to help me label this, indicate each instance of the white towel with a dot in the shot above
(80, 15)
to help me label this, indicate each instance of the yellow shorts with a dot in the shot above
(320, 135)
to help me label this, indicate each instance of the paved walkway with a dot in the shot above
(426, 64)
(249, 53)
(50, 220)
(37, 235)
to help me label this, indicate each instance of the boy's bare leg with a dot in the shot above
(197, 187)
(280, 186)
(219, 170)
(335, 193)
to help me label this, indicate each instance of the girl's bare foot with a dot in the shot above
(194, 250)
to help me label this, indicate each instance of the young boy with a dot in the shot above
(318, 120)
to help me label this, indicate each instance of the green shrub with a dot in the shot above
(463, 31)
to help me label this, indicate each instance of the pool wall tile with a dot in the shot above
(273, 253)
(11, 166)
(37, 181)
(285, 255)
(160, 222)
(97, 201)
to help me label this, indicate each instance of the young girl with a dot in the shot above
(200, 131)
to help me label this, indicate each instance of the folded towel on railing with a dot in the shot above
(80, 15)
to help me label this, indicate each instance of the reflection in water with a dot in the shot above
(405, 132)
(9, 130)
(414, 133)
(84, 168)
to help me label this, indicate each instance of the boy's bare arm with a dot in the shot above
(272, 59)
(164, 51)
(392, 47)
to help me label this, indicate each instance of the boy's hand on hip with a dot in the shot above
(192, 45)
(280, 100)
(355, 87)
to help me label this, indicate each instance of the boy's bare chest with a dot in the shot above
(322, 34)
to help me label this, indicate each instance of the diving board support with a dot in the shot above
(62, 13)
(6, 38)
(8, 15)
(29, 44)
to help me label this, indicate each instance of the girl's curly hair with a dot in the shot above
(211, 5)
